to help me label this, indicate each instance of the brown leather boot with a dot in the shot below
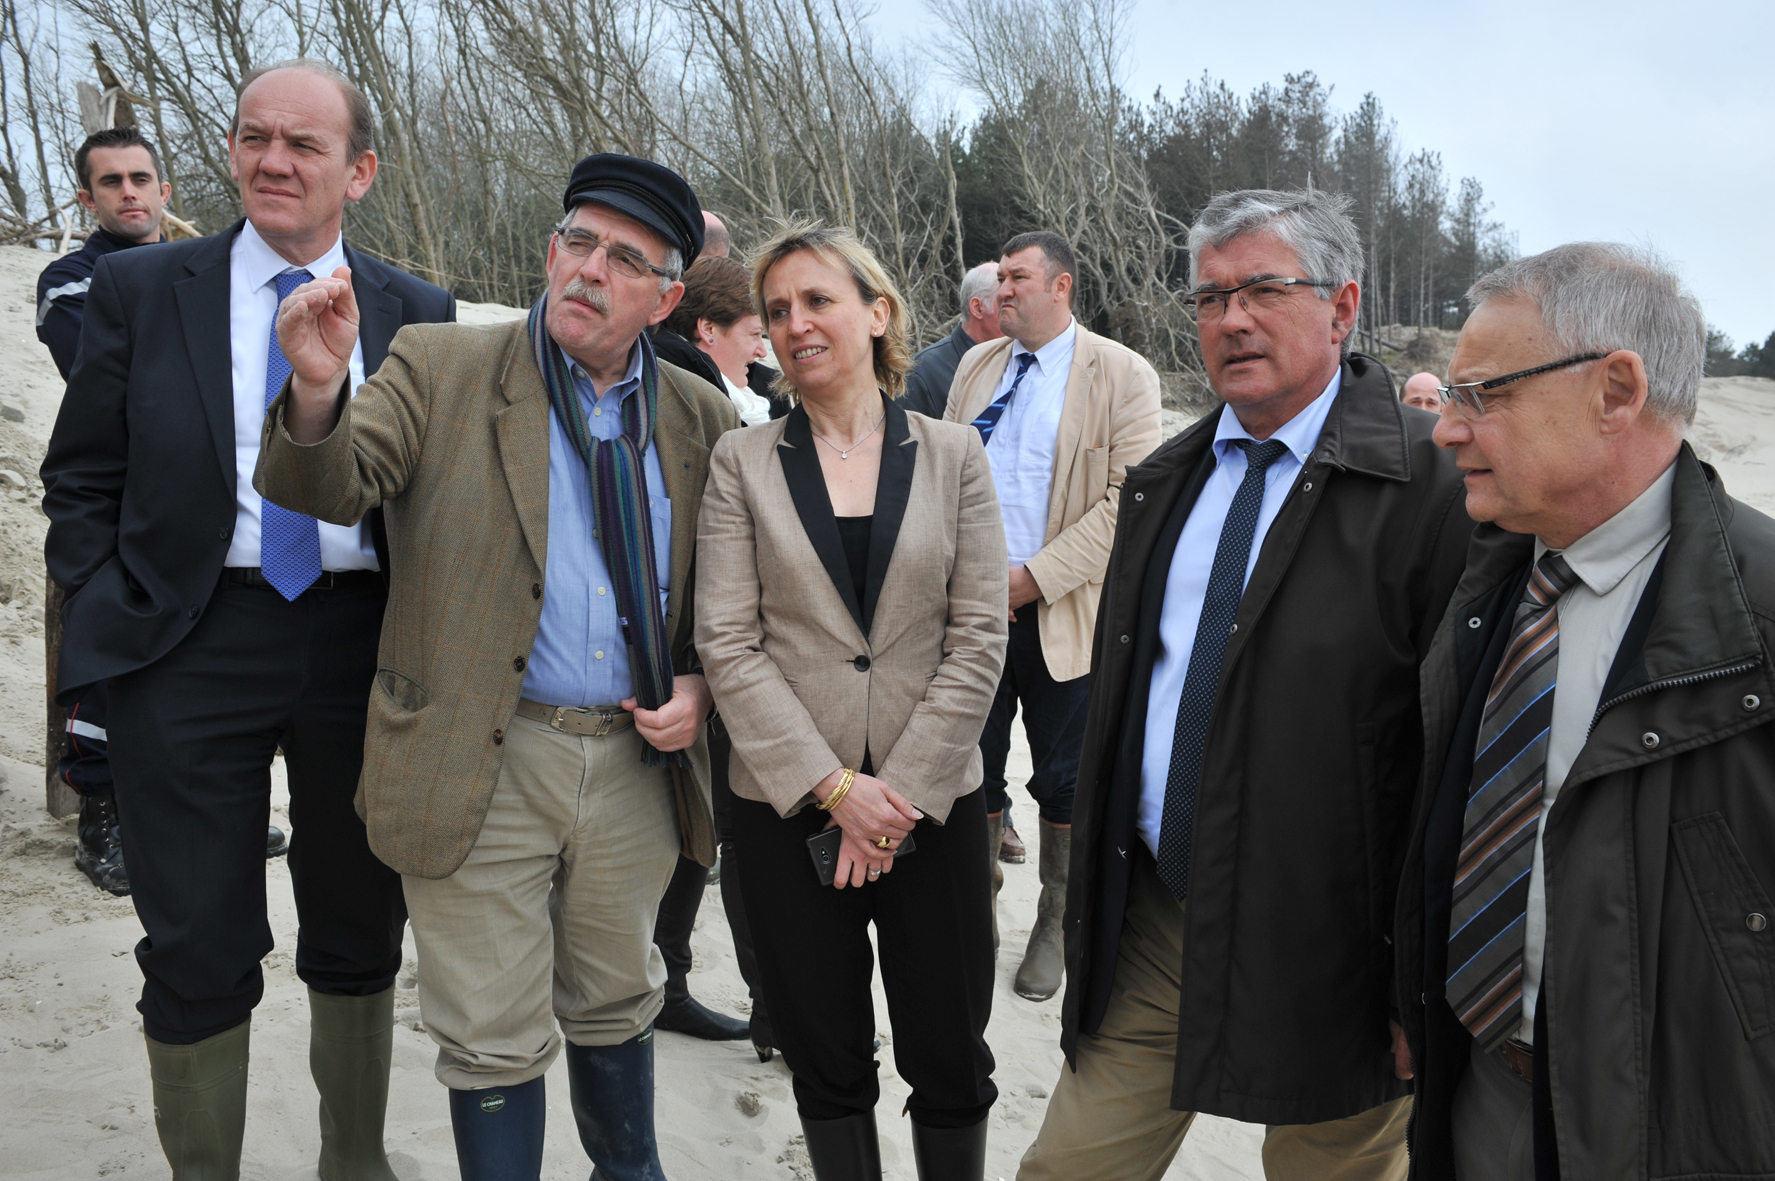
(1044, 960)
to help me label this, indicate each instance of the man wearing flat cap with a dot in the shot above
(535, 759)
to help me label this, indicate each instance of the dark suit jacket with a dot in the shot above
(933, 371)
(139, 480)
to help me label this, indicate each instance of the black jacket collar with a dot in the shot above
(893, 486)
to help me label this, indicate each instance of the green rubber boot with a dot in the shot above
(350, 1046)
(200, 1103)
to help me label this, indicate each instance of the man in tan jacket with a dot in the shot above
(534, 762)
(1063, 413)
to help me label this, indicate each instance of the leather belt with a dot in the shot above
(593, 721)
(328, 580)
(1521, 1058)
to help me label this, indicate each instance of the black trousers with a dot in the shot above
(934, 927)
(684, 894)
(1053, 718)
(192, 740)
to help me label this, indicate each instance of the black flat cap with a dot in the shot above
(650, 193)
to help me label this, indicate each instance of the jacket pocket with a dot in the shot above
(1735, 915)
(402, 691)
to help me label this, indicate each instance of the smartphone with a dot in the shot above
(823, 848)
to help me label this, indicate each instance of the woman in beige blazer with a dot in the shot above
(853, 632)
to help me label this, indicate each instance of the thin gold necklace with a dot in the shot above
(845, 452)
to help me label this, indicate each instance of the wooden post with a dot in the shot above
(59, 798)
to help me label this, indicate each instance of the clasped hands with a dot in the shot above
(869, 812)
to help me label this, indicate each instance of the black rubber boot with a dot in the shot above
(949, 1154)
(99, 852)
(613, 1106)
(843, 1149)
(499, 1132)
(276, 843)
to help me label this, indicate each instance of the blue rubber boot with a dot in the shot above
(499, 1132)
(613, 1105)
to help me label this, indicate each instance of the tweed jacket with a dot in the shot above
(806, 677)
(1109, 422)
(451, 437)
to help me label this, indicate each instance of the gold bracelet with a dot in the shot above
(844, 785)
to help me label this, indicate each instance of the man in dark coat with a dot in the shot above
(1253, 735)
(1586, 965)
(933, 370)
(228, 629)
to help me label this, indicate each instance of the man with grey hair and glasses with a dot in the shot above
(927, 386)
(1584, 947)
(1253, 737)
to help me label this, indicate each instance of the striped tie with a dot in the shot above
(1490, 910)
(989, 417)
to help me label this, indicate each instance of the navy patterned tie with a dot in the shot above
(989, 417)
(1490, 906)
(289, 543)
(1226, 586)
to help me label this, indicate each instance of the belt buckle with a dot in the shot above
(558, 718)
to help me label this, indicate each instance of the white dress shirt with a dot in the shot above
(1021, 449)
(1612, 562)
(252, 308)
(754, 408)
(1187, 583)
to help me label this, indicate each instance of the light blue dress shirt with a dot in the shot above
(579, 658)
(1187, 583)
(1021, 449)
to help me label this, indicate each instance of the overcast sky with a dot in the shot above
(1651, 123)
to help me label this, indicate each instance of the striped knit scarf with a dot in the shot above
(619, 507)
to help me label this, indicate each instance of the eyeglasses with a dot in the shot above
(623, 261)
(1265, 295)
(1466, 397)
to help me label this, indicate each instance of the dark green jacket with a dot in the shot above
(1659, 977)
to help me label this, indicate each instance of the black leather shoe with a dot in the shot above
(949, 1154)
(692, 1018)
(99, 852)
(276, 843)
(759, 1027)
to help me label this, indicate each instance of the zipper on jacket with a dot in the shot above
(1671, 683)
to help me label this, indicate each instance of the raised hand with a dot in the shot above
(317, 329)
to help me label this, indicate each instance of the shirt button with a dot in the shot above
(498, 737)
(600, 590)
(597, 411)
(536, 590)
(861, 664)
(518, 663)
(599, 654)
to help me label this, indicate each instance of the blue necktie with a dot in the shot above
(989, 417)
(1226, 586)
(289, 543)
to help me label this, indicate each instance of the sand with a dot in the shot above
(73, 1076)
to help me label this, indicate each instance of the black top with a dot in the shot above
(61, 295)
(854, 533)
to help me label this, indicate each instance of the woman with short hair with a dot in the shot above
(719, 318)
(854, 647)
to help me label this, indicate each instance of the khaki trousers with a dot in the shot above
(551, 916)
(1112, 1119)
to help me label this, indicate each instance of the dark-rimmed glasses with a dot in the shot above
(1210, 303)
(1466, 394)
(623, 261)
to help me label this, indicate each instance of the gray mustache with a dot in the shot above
(596, 296)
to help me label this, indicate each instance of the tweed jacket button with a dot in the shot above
(1649, 740)
(1756, 922)
(536, 590)
(518, 663)
(1750, 702)
(498, 737)
(861, 664)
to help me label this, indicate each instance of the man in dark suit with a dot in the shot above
(228, 628)
(927, 386)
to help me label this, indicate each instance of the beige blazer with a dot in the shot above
(1110, 422)
(805, 674)
(451, 437)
